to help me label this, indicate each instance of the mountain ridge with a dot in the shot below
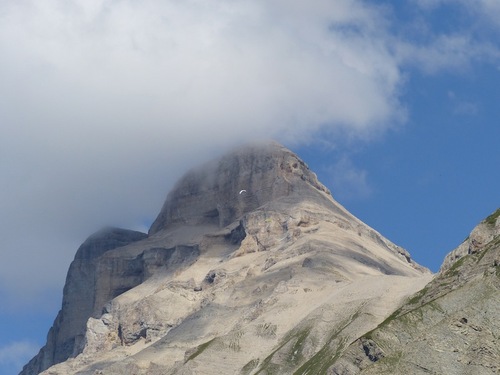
(450, 326)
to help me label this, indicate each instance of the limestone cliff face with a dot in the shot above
(450, 327)
(221, 191)
(250, 267)
(65, 338)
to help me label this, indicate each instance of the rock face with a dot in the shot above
(451, 326)
(93, 280)
(236, 184)
(65, 338)
(481, 236)
(250, 267)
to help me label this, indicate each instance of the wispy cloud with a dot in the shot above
(488, 10)
(453, 35)
(454, 52)
(104, 104)
(462, 106)
(15, 355)
(350, 182)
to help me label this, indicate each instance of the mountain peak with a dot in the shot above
(221, 191)
(249, 255)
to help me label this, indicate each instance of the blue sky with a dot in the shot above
(426, 184)
(394, 104)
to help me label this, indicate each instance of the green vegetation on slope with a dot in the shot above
(294, 354)
(200, 349)
(492, 219)
(323, 359)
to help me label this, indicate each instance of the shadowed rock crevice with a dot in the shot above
(371, 350)
(237, 235)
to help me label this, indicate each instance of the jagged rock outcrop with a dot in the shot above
(451, 326)
(251, 266)
(476, 241)
(65, 338)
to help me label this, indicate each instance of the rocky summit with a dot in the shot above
(251, 267)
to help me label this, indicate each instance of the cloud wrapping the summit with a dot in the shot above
(105, 102)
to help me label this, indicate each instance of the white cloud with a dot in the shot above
(105, 103)
(349, 181)
(232, 65)
(446, 53)
(488, 9)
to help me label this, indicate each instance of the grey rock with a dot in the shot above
(477, 239)
(102, 270)
(236, 184)
(65, 338)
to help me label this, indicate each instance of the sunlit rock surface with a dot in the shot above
(250, 267)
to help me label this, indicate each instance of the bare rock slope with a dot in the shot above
(251, 267)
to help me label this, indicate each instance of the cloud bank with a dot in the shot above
(105, 102)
